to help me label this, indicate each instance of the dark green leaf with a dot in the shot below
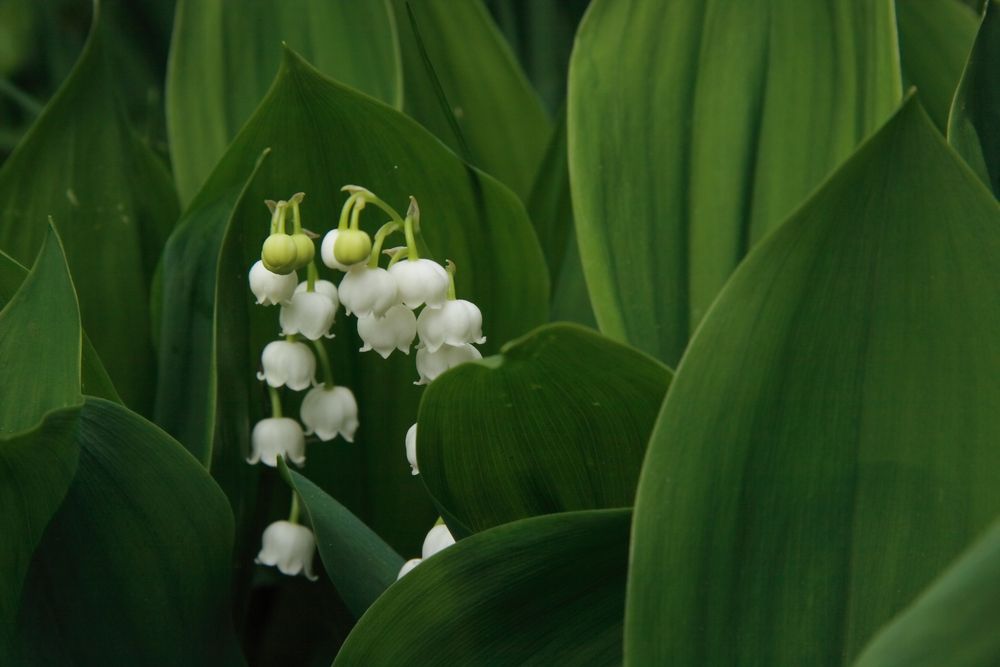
(557, 422)
(953, 622)
(974, 125)
(360, 564)
(695, 127)
(223, 59)
(830, 441)
(134, 568)
(934, 41)
(113, 203)
(542, 591)
(501, 120)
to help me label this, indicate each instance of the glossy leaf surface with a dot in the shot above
(676, 177)
(223, 58)
(829, 443)
(558, 421)
(542, 591)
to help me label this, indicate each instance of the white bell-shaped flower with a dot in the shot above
(271, 288)
(310, 313)
(290, 547)
(327, 411)
(368, 291)
(277, 436)
(288, 363)
(408, 567)
(411, 449)
(432, 364)
(421, 281)
(457, 322)
(393, 331)
(326, 253)
(438, 538)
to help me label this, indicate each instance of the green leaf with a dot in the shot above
(934, 41)
(543, 591)
(360, 564)
(223, 59)
(974, 125)
(557, 422)
(674, 178)
(953, 622)
(112, 202)
(134, 567)
(502, 127)
(829, 442)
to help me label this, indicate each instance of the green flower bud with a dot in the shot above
(352, 246)
(279, 254)
(305, 249)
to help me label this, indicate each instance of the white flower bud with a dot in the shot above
(411, 449)
(395, 330)
(288, 363)
(326, 252)
(310, 313)
(408, 567)
(368, 291)
(328, 411)
(270, 288)
(277, 436)
(421, 281)
(290, 546)
(457, 322)
(432, 364)
(438, 538)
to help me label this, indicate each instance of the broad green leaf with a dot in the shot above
(134, 568)
(112, 202)
(558, 421)
(493, 117)
(934, 41)
(358, 562)
(829, 443)
(543, 591)
(223, 57)
(696, 127)
(953, 622)
(324, 135)
(974, 125)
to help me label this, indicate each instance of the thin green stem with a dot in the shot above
(359, 206)
(312, 274)
(324, 362)
(396, 256)
(275, 401)
(390, 211)
(281, 210)
(296, 217)
(275, 216)
(380, 237)
(296, 509)
(345, 212)
(451, 268)
(411, 241)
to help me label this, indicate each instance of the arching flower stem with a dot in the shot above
(324, 362)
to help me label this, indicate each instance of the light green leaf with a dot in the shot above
(829, 442)
(935, 37)
(501, 125)
(134, 568)
(112, 202)
(974, 125)
(953, 622)
(696, 127)
(558, 421)
(358, 562)
(223, 58)
(543, 591)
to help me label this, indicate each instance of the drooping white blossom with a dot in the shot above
(368, 291)
(288, 363)
(271, 288)
(411, 449)
(457, 322)
(277, 436)
(290, 547)
(438, 538)
(393, 331)
(408, 567)
(432, 364)
(329, 411)
(310, 313)
(421, 281)
(326, 252)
